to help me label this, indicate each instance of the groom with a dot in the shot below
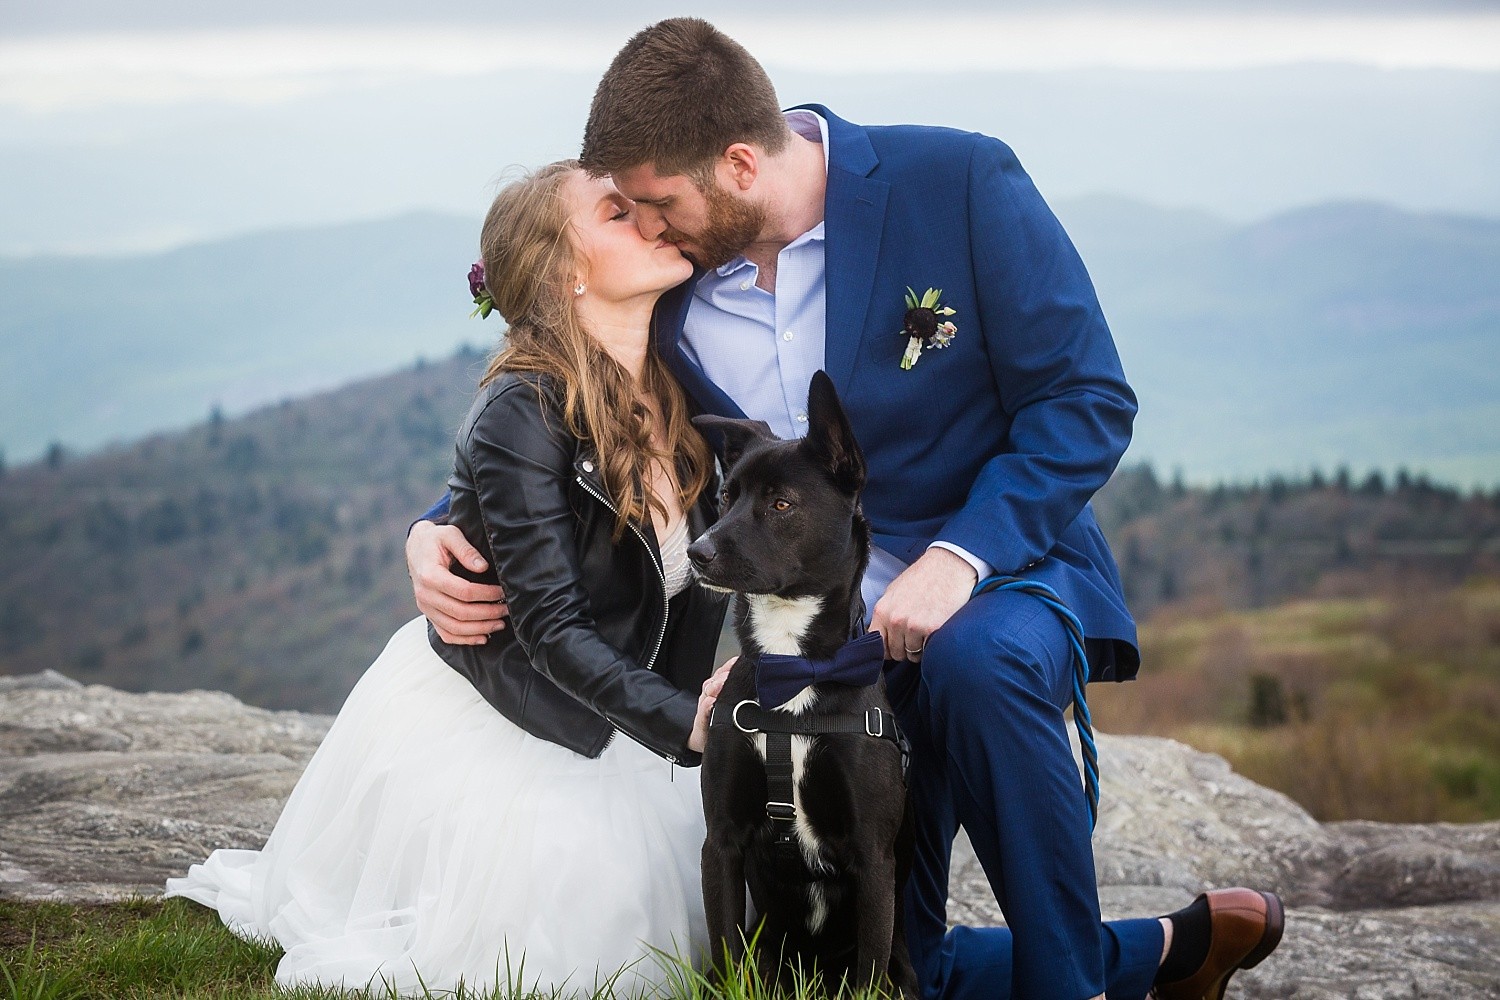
(983, 454)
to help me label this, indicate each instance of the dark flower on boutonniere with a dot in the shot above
(483, 304)
(924, 325)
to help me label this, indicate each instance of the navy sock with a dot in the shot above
(1191, 928)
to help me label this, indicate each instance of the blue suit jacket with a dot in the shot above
(997, 442)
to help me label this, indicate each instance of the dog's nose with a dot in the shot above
(702, 551)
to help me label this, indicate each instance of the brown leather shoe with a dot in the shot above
(1246, 927)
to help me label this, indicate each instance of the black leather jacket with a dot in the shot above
(593, 645)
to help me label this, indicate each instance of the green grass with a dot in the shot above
(148, 949)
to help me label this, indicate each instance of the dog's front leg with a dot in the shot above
(903, 976)
(877, 918)
(724, 901)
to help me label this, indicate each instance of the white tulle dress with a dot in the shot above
(431, 841)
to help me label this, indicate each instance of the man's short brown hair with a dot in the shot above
(676, 96)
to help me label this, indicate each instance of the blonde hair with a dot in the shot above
(530, 263)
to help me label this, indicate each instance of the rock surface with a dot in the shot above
(105, 794)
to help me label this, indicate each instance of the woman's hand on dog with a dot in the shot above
(920, 601)
(711, 688)
(463, 613)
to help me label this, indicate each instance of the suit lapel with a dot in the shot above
(854, 219)
(667, 322)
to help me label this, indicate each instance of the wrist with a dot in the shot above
(954, 564)
(418, 545)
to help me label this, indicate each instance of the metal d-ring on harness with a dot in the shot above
(1081, 718)
(779, 728)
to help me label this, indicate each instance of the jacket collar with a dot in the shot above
(666, 333)
(700, 516)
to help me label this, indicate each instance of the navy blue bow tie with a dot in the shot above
(857, 663)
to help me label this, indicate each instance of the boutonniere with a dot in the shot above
(923, 327)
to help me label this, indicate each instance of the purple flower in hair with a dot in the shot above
(483, 303)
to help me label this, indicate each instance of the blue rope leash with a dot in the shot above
(1081, 718)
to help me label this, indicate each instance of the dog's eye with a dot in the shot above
(782, 505)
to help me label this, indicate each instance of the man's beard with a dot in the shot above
(733, 224)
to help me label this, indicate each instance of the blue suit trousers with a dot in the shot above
(984, 712)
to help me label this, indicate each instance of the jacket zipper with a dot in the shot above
(661, 574)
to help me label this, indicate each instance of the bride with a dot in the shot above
(513, 810)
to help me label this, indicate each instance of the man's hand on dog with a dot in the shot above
(711, 688)
(920, 601)
(463, 613)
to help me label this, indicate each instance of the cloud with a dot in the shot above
(267, 65)
(80, 16)
(42, 72)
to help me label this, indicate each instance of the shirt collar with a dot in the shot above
(811, 126)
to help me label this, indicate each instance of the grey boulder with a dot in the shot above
(105, 794)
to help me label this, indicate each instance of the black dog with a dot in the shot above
(816, 825)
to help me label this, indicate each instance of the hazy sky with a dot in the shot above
(147, 123)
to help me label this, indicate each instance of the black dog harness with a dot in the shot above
(858, 663)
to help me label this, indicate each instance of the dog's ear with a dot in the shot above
(830, 439)
(730, 437)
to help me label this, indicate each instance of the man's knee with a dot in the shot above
(998, 645)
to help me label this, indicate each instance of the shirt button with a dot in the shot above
(745, 285)
(801, 418)
(787, 335)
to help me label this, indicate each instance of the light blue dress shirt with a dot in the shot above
(762, 349)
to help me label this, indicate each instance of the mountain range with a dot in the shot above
(1342, 333)
(95, 349)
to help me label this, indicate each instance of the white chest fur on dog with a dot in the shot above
(778, 625)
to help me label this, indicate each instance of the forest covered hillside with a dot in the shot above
(262, 555)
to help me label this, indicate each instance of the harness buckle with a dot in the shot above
(736, 716)
(875, 723)
(784, 811)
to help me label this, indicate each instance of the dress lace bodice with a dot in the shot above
(674, 558)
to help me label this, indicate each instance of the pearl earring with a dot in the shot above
(579, 289)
